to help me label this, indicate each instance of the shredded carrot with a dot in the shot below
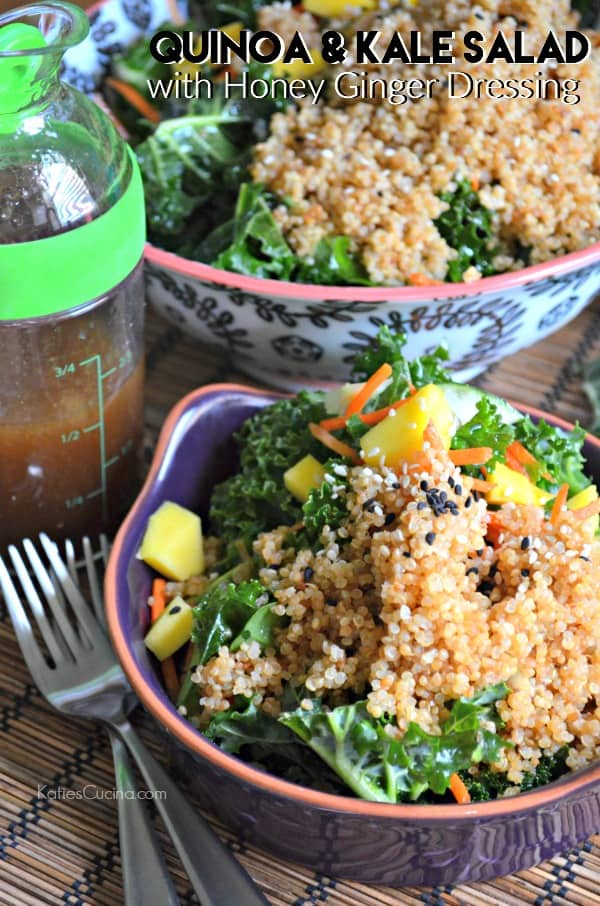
(494, 528)
(159, 599)
(513, 463)
(432, 436)
(368, 418)
(360, 399)
(133, 97)
(559, 502)
(471, 456)
(419, 279)
(475, 184)
(171, 680)
(521, 454)
(592, 509)
(459, 790)
(477, 484)
(333, 443)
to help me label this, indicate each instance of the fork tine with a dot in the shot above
(105, 549)
(54, 602)
(71, 591)
(31, 652)
(55, 644)
(92, 575)
(71, 560)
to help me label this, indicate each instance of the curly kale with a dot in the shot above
(255, 499)
(558, 453)
(485, 429)
(466, 226)
(488, 784)
(388, 346)
(326, 505)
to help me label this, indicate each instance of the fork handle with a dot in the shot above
(214, 873)
(145, 876)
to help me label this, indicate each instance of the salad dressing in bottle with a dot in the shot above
(71, 291)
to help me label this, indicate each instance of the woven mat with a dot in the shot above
(67, 851)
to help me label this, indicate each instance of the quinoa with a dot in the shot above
(415, 613)
(374, 171)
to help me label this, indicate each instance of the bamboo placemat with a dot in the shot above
(67, 851)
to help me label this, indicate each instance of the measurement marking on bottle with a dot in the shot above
(91, 428)
(97, 361)
(109, 372)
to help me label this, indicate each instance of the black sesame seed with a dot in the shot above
(369, 504)
(443, 496)
(479, 15)
(175, 609)
(396, 485)
(430, 537)
(389, 518)
(581, 557)
(489, 542)
(308, 573)
(423, 485)
(525, 542)
(493, 570)
(458, 489)
(406, 553)
(479, 552)
(485, 587)
(475, 495)
(468, 502)
(524, 573)
(473, 570)
(421, 505)
(331, 602)
(451, 482)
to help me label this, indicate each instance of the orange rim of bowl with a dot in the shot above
(557, 267)
(193, 739)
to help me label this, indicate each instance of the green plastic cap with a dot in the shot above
(18, 71)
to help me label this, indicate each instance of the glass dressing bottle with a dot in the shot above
(72, 234)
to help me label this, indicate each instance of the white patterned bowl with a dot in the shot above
(290, 334)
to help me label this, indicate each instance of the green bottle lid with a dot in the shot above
(61, 272)
(18, 70)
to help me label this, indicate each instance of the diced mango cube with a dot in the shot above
(588, 495)
(328, 9)
(298, 69)
(173, 542)
(172, 629)
(300, 479)
(399, 436)
(514, 487)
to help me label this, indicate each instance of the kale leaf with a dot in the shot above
(388, 347)
(488, 784)
(466, 226)
(332, 264)
(257, 737)
(181, 162)
(257, 246)
(326, 505)
(485, 429)
(255, 499)
(377, 767)
(222, 613)
(260, 628)
(558, 453)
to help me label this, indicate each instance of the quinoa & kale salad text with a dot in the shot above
(352, 190)
(398, 597)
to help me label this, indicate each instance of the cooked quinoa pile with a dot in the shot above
(407, 606)
(375, 172)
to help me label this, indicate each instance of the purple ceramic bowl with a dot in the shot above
(375, 843)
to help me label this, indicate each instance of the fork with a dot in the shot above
(86, 681)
